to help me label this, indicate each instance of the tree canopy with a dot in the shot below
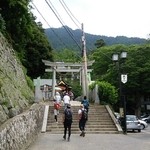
(137, 67)
(26, 36)
(106, 92)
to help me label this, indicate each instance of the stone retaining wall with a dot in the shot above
(19, 132)
(15, 93)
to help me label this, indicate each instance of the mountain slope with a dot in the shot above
(59, 39)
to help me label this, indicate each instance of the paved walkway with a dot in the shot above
(47, 141)
(131, 141)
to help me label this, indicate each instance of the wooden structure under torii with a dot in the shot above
(61, 67)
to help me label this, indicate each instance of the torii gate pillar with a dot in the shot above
(53, 83)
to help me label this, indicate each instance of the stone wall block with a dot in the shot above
(20, 131)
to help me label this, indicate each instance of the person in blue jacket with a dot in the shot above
(85, 103)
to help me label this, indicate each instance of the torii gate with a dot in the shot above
(68, 67)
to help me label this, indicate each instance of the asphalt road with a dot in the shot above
(131, 141)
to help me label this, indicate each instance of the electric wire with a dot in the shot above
(60, 40)
(68, 11)
(71, 12)
(56, 12)
(60, 20)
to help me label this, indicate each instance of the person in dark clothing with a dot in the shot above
(85, 103)
(67, 121)
(82, 120)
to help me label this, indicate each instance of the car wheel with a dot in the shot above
(139, 130)
(142, 126)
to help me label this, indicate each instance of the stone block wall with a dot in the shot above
(20, 131)
(15, 93)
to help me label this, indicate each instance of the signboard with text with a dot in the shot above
(124, 78)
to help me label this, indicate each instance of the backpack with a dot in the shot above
(84, 115)
(85, 103)
(68, 114)
(57, 106)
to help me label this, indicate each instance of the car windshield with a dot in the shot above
(131, 118)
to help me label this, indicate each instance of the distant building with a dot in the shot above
(43, 89)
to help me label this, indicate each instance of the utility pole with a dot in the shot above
(84, 70)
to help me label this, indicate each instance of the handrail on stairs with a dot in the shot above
(45, 118)
(114, 119)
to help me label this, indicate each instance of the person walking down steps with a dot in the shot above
(67, 121)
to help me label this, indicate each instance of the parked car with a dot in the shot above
(146, 119)
(133, 123)
(143, 124)
(144, 116)
(117, 115)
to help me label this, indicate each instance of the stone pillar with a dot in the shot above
(97, 100)
(53, 83)
(38, 92)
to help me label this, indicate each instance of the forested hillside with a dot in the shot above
(60, 39)
(27, 37)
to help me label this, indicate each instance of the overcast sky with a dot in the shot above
(129, 18)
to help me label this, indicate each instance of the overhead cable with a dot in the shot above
(71, 16)
(69, 12)
(60, 20)
(60, 40)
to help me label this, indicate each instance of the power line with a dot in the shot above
(68, 11)
(71, 13)
(71, 16)
(60, 20)
(60, 40)
(57, 15)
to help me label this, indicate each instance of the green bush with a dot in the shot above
(107, 93)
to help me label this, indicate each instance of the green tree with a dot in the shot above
(137, 66)
(100, 43)
(107, 93)
(2, 24)
(26, 36)
(66, 55)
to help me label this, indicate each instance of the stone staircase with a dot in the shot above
(99, 121)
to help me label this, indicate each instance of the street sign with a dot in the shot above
(124, 78)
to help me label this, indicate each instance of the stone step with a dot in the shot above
(87, 132)
(89, 121)
(89, 117)
(87, 126)
(90, 111)
(86, 129)
(99, 121)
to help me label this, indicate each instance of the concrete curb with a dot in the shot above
(45, 118)
(114, 119)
